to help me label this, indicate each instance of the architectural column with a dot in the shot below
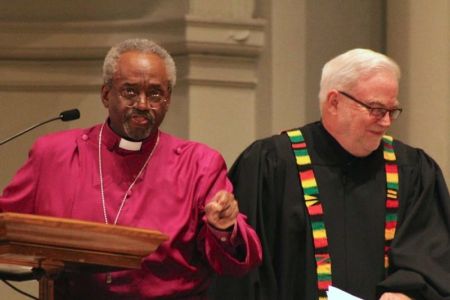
(418, 39)
(301, 36)
(217, 59)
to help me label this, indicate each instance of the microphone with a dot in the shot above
(67, 115)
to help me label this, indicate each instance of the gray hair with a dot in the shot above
(140, 45)
(343, 71)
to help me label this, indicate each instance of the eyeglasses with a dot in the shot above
(377, 112)
(132, 95)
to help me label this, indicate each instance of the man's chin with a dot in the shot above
(373, 146)
(138, 134)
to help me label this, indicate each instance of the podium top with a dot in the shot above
(32, 239)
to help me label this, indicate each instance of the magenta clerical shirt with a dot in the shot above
(61, 178)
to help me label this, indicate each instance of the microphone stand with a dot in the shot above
(67, 115)
(28, 129)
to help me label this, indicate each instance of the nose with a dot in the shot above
(142, 102)
(385, 120)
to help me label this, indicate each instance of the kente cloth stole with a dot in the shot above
(315, 210)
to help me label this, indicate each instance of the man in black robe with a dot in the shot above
(358, 101)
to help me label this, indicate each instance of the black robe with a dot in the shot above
(353, 194)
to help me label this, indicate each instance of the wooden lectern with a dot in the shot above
(49, 245)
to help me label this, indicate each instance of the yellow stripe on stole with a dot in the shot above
(388, 137)
(392, 193)
(389, 234)
(303, 160)
(324, 269)
(392, 177)
(310, 202)
(309, 183)
(319, 233)
(390, 156)
(293, 133)
(310, 198)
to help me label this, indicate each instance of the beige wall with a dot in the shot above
(247, 68)
(418, 38)
(302, 36)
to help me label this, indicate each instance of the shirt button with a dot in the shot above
(84, 137)
(223, 239)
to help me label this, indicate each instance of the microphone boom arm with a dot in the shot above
(67, 115)
(26, 130)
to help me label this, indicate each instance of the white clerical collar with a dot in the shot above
(129, 145)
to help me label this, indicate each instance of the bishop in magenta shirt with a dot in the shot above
(61, 178)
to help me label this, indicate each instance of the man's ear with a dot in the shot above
(168, 100)
(332, 102)
(105, 95)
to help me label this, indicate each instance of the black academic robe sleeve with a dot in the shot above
(420, 255)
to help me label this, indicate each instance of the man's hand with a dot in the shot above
(221, 212)
(394, 296)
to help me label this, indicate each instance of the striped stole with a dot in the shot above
(315, 210)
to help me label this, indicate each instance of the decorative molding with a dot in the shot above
(41, 88)
(234, 9)
(221, 83)
(50, 76)
(36, 56)
(214, 70)
(90, 40)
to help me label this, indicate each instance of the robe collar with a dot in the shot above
(116, 143)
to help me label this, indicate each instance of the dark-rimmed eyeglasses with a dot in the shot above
(377, 112)
(132, 95)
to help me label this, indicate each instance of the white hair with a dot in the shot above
(343, 71)
(140, 45)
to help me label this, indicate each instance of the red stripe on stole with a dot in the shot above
(392, 203)
(323, 284)
(391, 168)
(305, 175)
(299, 145)
(315, 209)
(320, 243)
(388, 145)
(390, 225)
(322, 258)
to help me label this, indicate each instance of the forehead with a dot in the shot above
(381, 86)
(135, 65)
(379, 77)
